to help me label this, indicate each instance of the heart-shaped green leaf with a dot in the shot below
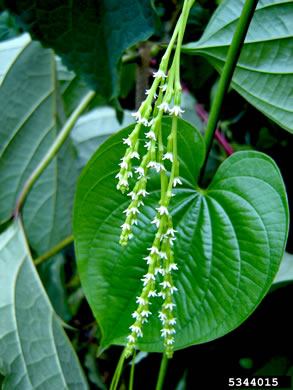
(264, 72)
(230, 240)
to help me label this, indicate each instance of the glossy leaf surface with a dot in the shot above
(35, 353)
(264, 72)
(230, 240)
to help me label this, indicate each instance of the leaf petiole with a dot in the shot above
(225, 79)
(52, 151)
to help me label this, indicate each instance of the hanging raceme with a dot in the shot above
(164, 96)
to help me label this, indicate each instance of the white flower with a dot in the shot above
(173, 266)
(129, 174)
(136, 315)
(152, 293)
(170, 306)
(172, 289)
(170, 341)
(164, 87)
(152, 164)
(147, 277)
(156, 221)
(136, 329)
(130, 236)
(157, 166)
(144, 320)
(176, 181)
(168, 156)
(133, 195)
(147, 145)
(162, 210)
(132, 210)
(176, 110)
(137, 115)
(124, 164)
(162, 316)
(148, 259)
(118, 176)
(153, 250)
(163, 255)
(140, 171)
(172, 321)
(147, 92)
(145, 313)
(140, 300)
(151, 135)
(160, 74)
(166, 331)
(171, 231)
(127, 141)
(144, 121)
(126, 226)
(163, 106)
(135, 155)
(159, 270)
(143, 193)
(134, 221)
(165, 284)
(171, 239)
(150, 123)
(124, 183)
(131, 339)
(140, 202)
(162, 294)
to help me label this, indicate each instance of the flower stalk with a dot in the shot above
(164, 97)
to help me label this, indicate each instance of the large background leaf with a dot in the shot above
(28, 127)
(230, 240)
(89, 35)
(9, 51)
(264, 72)
(93, 128)
(34, 350)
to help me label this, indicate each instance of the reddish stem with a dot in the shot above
(218, 135)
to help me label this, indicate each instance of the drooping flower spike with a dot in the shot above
(164, 97)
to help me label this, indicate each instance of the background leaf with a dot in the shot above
(9, 51)
(8, 27)
(285, 273)
(264, 72)
(34, 350)
(90, 36)
(93, 128)
(230, 240)
(52, 275)
(28, 127)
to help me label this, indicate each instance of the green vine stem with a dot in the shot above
(131, 379)
(162, 372)
(68, 240)
(118, 371)
(232, 58)
(52, 151)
